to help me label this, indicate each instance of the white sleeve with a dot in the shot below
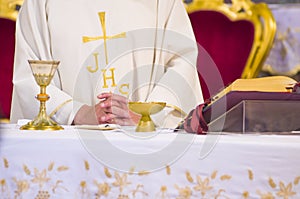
(33, 42)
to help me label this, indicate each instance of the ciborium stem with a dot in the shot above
(145, 109)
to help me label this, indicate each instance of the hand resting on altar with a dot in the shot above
(111, 108)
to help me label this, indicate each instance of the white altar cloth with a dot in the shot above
(68, 164)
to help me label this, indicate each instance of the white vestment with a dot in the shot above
(143, 49)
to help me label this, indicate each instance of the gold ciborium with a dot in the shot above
(145, 109)
(43, 72)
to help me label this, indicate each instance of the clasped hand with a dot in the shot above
(111, 108)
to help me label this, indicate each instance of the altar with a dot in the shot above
(120, 163)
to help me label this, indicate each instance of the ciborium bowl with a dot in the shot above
(145, 109)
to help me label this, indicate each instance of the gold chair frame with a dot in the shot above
(257, 13)
(9, 9)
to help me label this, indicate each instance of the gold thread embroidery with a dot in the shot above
(85, 39)
(121, 182)
(42, 195)
(297, 180)
(168, 170)
(250, 174)
(214, 174)
(267, 195)
(86, 165)
(185, 192)
(59, 107)
(107, 173)
(285, 191)
(62, 168)
(103, 189)
(90, 68)
(131, 170)
(219, 193)
(123, 196)
(246, 194)
(22, 186)
(141, 173)
(202, 186)
(105, 78)
(50, 167)
(3, 184)
(5, 161)
(189, 177)
(40, 178)
(163, 193)
(225, 177)
(57, 185)
(139, 189)
(26, 170)
(83, 184)
(272, 183)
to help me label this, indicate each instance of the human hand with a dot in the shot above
(116, 110)
(112, 108)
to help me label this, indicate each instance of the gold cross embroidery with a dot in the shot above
(104, 37)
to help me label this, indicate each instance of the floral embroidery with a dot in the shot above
(285, 191)
(121, 182)
(40, 178)
(22, 186)
(139, 189)
(267, 195)
(202, 186)
(121, 186)
(103, 189)
(163, 194)
(184, 193)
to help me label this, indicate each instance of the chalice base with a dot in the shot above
(42, 123)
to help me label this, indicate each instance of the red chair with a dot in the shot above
(8, 14)
(233, 40)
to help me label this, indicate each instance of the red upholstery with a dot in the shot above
(7, 44)
(227, 42)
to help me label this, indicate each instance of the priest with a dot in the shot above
(110, 52)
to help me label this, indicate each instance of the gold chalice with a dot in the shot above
(145, 109)
(43, 72)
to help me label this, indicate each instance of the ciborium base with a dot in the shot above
(145, 125)
(145, 109)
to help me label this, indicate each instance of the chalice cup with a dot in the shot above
(43, 72)
(145, 109)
